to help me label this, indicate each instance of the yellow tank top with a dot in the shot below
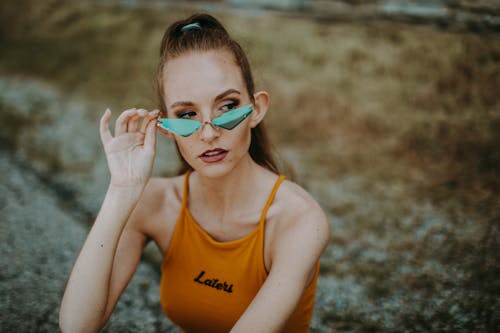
(206, 285)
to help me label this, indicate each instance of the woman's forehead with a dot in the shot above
(200, 75)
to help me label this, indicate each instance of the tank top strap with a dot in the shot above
(271, 198)
(185, 190)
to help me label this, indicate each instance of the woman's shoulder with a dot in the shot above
(295, 200)
(158, 207)
(295, 224)
(295, 208)
(161, 195)
(163, 188)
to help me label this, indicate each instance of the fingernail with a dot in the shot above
(107, 110)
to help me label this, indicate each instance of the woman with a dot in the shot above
(241, 245)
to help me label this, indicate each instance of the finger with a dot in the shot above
(151, 115)
(104, 127)
(150, 139)
(121, 125)
(133, 121)
(137, 139)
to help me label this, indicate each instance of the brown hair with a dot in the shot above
(207, 33)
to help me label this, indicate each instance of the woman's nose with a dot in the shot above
(209, 132)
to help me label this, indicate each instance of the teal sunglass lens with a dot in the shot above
(186, 127)
(233, 118)
(182, 127)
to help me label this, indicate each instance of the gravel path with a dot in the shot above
(39, 243)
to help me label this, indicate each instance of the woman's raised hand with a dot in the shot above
(130, 153)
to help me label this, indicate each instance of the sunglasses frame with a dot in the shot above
(186, 127)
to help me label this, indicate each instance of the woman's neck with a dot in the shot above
(234, 190)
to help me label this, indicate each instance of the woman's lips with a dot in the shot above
(213, 155)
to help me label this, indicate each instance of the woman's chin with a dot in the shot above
(217, 168)
(214, 170)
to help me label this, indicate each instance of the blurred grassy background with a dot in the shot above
(394, 128)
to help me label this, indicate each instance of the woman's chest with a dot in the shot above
(206, 285)
(162, 229)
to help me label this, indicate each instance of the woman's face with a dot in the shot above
(201, 86)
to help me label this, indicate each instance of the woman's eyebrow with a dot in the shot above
(225, 93)
(181, 103)
(218, 97)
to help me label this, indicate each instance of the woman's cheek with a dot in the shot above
(185, 150)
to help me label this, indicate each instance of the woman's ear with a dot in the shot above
(260, 108)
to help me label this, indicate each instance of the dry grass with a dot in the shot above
(413, 98)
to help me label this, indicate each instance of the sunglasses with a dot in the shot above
(186, 127)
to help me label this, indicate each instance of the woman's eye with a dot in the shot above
(229, 106)
(185, 114)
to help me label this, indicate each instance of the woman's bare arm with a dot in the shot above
(296, 251)
(113, 247)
